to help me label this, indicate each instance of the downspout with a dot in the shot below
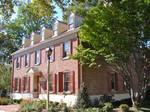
(12, 75)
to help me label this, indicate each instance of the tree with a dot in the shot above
(119, 32)
(7, 46)
(83, 100)
(5, 78)
(26, 22)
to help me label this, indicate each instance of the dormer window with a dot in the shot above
(71, 21)
(55, 29)
(37, 57)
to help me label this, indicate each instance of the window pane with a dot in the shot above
(37, 57)
(66, 81)
(66, 49)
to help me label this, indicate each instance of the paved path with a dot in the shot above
(9, 108)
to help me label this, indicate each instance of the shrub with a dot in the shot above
(5, 101)
(18, 101)
(95, 103)
(32, 106)
(88, 110)
(105, 98)
(108, 107)
(124, 107)
(83, 100)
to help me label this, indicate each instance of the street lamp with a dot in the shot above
(48, 52)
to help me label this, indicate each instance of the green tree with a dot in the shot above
(5, 77)
(30, 18)
(119, 32)
(83, 100)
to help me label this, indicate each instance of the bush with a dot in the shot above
(88, 110)
(124, 107)
(5, 101)
(32, 106)
(83, 100)
(108, 107)
(18, 101)
(105, 98)
(126, 101)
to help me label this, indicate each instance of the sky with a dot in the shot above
(58, 15)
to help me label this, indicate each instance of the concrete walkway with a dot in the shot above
(9, 108)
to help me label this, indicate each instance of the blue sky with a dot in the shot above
(58, 15)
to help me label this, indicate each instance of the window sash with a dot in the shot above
(67, 82)
(66, 49)
(37, 57)
(18, 62)
(27, 59)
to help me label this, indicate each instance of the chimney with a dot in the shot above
(46, 33)
(35, 38)
(59, 27)
(26, 42)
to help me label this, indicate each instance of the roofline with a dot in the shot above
(48, 42)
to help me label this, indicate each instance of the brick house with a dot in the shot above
(29, 75)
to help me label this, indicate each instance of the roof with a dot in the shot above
(51, 41)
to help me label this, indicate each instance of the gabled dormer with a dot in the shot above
(59, 27)
(46, 33)
(74, 21)
(35, 38)
(26, 42)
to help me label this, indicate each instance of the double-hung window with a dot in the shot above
(27, 60)
(18, 62)
(26, 84)
(17, 84)
(37, 57)
(67, 81)
(66, 49)
(52, 57)
(114, 81)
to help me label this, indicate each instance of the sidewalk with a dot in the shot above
(9, 108)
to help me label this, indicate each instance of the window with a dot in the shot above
(17, 84)
(55, 28)
(43, 85)
(52, 83)
(26, 84)
(18, 62)
(27, 57)
(52, 57)
(37, 57)
(71, 21)
(66, 49)
(67, 81)
(114, 81)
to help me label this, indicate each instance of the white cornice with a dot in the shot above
(49, 42)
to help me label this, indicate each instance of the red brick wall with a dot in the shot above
(59, 64)
(98, 80)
